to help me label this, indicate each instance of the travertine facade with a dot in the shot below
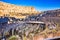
(11, 10)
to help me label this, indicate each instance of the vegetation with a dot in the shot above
(13, 38)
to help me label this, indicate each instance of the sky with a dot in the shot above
(40, 5)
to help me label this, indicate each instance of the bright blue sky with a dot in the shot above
(38, 4)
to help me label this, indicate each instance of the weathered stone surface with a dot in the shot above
(12, 10)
